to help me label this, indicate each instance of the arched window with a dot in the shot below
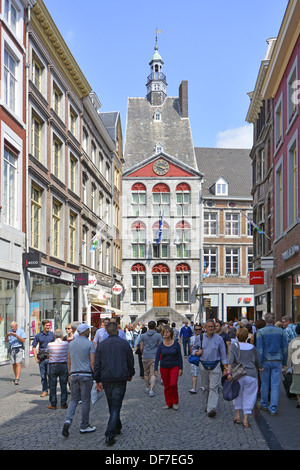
(161, 249)
(138, 234)
(183, 239)
(161, 200)
(138, 194)
(183, 200)
(183, 283)
(160, 275)
(138, 283)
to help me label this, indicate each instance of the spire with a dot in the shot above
(156, 82)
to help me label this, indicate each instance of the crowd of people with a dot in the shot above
(85, 357)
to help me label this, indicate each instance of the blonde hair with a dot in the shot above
(242, 334)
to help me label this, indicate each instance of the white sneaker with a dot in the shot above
(175, 406)
(147, 390)
(192, 391)
(151, 394)
(88, 429)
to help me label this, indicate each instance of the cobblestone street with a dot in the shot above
(27, 424)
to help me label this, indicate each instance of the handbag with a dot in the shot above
(95, 395)
(231, 390)
(194, 360)
(238, 370)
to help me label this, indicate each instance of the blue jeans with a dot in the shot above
(114, 392)
(44, 372)
(186, 346)
(81, 387)
(270, 378)
(58, 371)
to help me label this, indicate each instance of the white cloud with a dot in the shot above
(241, 138)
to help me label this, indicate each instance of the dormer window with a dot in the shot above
(221, 187)
(157, 116)
(158, 148)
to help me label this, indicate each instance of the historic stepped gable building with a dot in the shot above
(161, 189)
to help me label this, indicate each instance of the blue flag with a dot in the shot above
(160, 228)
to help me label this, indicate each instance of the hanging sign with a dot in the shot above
(117, 289)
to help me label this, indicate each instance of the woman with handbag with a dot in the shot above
(169, 356)
(243, 358)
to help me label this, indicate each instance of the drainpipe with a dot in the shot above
(26, 274)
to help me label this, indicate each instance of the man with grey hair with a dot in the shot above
(81, 358)
(210, 347)
(272, 348)
(16, 337)
(58, 369)
(289, 328)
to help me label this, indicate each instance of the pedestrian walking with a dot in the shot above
(99, 333)
(41, 341)
(210, 347)
(70, 335)
(149, 343)
(114, 367)
(58, 369)
(289, 328)
(246, 354)
(16, 337)
(272, 348)
(293, 360)
(120, 332)
(129, 335)
(138, 352)
(168, 355)
(185, 335)
(195, 371)
(81, 358)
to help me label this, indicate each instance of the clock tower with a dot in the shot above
(156, 82)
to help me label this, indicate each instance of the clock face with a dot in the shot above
(160, 167)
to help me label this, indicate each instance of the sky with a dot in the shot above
(216, 45)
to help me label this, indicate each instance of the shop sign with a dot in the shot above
(92, 281)
(267, 262)
(290, 252)
(53, 271)
(31, 260)
(117, 289)
(257, 277)
(247, 300)
(81, 279)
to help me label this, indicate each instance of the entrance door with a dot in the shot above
(160, 297)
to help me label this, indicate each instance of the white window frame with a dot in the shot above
(9, 46)
(293, 175)
(278, 196)
(209, 222)
(292, 102)
(230, 224)
(278, 123)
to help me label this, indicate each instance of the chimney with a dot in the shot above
(183, 99)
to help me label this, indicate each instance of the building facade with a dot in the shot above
(227, 235)
(14, 17)
(161, 206)
(281, 84)
(260, 114)
(60, 182)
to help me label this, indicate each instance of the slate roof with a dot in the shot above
(143, 133)
(110, 120)
(234, 165)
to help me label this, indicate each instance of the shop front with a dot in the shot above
(8, 308)
(240, 306)
(51, 298)
(290, 286)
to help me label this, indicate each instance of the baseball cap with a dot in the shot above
(83, 327)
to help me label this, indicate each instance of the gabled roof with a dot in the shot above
(143, 132)
(110, 120)
(234, 165)
(173, 161)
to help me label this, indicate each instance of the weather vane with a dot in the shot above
(157, 31)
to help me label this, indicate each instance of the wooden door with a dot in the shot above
(160, 297)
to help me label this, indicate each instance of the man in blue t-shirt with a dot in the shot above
(16, 337)
(41, 341)
(186, 334)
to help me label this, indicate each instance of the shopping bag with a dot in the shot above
(95, 395)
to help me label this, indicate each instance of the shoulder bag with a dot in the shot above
(238, 370)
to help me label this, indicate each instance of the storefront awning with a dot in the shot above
(117, 311)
